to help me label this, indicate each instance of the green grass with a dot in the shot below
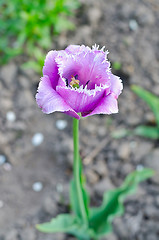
(28, 26)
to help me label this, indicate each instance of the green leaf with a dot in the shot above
(21, 39)
(150, 99)
(74, 196)
(116, 65)
(112, 205)
(67, 223)
(148, 132)
(22, 23)
(62, 223)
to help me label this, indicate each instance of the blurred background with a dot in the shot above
(36, 149)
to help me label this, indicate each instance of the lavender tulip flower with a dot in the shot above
(78, 80)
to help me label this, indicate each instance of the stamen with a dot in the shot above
(66, 80)
(86, 84)
(74, 82)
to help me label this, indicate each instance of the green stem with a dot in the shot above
(76, 171)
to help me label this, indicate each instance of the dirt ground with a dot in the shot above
(35, 169)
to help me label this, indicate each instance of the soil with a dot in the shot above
(34, 178)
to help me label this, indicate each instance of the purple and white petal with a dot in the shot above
(90, 66)
(76, 49)
(107, 105)
(50, 101)
(82, 100)
(50, 68)
(116, 85)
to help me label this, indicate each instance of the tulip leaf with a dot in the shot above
(112, 205)
(67, 223)
(74, 195)
(150, 99)
(147, 131)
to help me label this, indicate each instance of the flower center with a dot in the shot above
(74, 82)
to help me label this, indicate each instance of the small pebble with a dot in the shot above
(92, 176)
(1, 203)
(61, 124)
(37, 139)
(10, 116)
(2, 159)
(7, 166)
(139, 167)
(59, 187)
(37, 186)
(133, 25)
(133, 144)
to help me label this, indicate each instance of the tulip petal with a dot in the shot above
(107, 105)
(116, 85)
(50, 101)
(50, 68)
(82, 100)
(89, 65)
(73, 49)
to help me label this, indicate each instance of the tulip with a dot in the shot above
(78, 82)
